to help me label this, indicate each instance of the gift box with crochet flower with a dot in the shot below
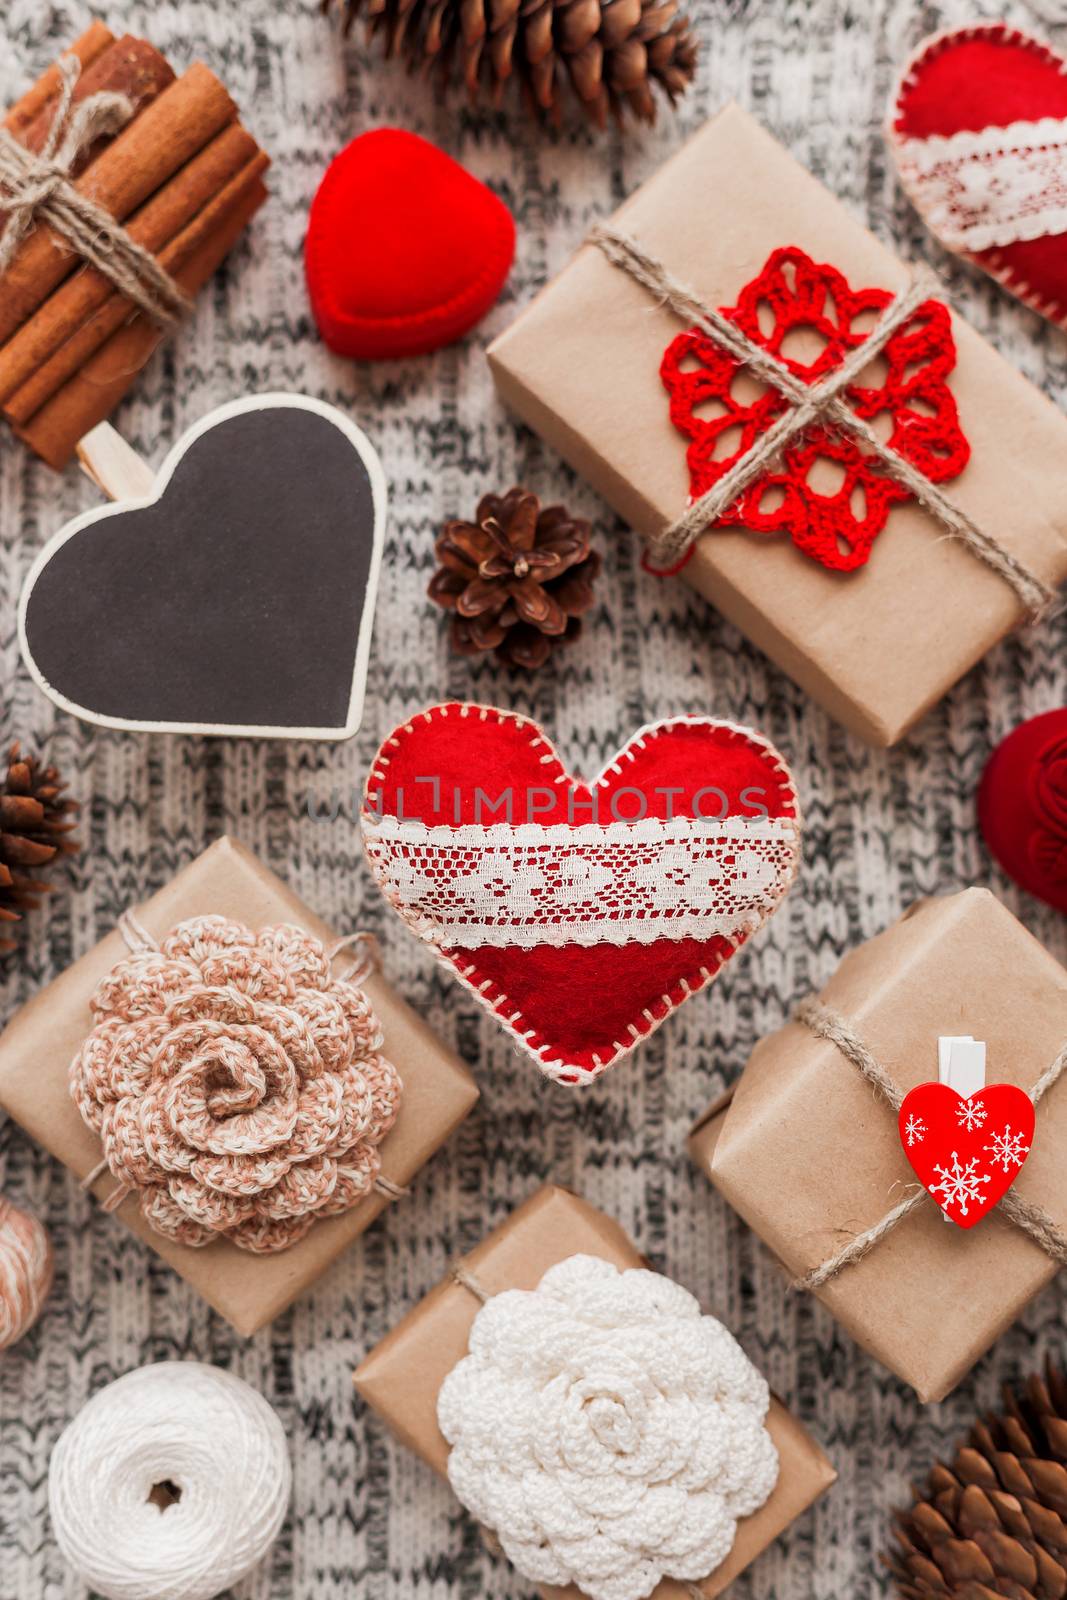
(794, 420)
(611, 1440)
(924, 1234)
(242, 1088)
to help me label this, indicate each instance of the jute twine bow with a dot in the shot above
(821, 402)
(139, 941)
(1032, 1219)
(38, 188)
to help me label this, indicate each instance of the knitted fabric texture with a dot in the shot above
(838, 525)
(606, 1432)
(236, 1084)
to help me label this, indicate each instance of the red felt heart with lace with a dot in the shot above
(978, 129)
(580, 915)
(834, 522)
(966, 1152)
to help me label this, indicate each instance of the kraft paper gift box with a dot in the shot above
(876, 647)
(808, 1152)
(402, 1376)
(36, 1049)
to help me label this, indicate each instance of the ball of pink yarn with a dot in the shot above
(25, 1271)
(236, 1084)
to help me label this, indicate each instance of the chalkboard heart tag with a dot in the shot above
(966, 1151)
(236, 596)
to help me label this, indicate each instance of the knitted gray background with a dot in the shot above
(367, 1519)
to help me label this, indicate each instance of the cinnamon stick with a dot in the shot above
(156, 145)
(92, 43)
(131, 67)
(85, 309)
(96, 389)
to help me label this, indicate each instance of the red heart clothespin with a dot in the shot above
(966, 1149)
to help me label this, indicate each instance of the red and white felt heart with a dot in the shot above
(966, 1152)
(580, 914)
(978, 128)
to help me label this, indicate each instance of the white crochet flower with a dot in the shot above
(607, 1432)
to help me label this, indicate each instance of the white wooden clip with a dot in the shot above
(961, 1065)
(113, 465)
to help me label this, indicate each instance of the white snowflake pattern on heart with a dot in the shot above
(971, 1114)
(1007, 1150)
(915, 1130)
(959, 1184)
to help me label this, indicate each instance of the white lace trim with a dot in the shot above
(622, 883)
(984, 190)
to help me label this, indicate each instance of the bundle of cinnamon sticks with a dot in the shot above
(183, 176)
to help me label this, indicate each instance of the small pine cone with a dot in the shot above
(518, 578)
(610, 54)
(36, 823)
(994, 1524)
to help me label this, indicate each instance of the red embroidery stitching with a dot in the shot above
(1047, 845)
(837, 528)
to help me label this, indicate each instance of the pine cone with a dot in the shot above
(35, 826)
(609, 52)
(995, 1522)
(517, 578)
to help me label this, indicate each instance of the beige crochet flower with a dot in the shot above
(236, 1084)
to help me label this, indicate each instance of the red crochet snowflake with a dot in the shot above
(835, 525)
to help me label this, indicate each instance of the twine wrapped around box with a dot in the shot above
(1033, 1219)
(821, 402)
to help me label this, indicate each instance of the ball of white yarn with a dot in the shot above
(25, 1271)
(182, 1429)
(607, 1432)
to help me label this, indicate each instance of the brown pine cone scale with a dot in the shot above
(36, 823)
(517, 579)
(993, 1524)
(610, 54)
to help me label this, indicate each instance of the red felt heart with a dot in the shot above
(405, 250)
(966, 1153)
(978, 127)
(1022, 806)
(580, 914)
